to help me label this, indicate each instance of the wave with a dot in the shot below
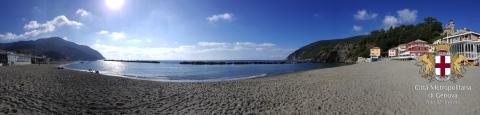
(161, 78)
(167, 79)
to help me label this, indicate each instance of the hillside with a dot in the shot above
(348, 49)
(55, 48)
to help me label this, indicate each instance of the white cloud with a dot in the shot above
(117, 35)
(103, 32)
(364, 15)
(404, 16)
(56, 22)
(113, 35)
(32, 25)
(212, 44)
(219, 17)
(250, 45)
(51, 25)
(234, 46)
(9, 36)
(407, 15)
(198, 51)
(135, 41)
(357, 28)
(82, 12)
(390, 21)
(34, 28)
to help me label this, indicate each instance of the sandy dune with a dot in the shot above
(369, 88)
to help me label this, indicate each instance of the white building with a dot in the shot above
(392, 52)
(464, 41)
(10, 58)
(402, 50)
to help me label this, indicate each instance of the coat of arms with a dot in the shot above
(441, 66)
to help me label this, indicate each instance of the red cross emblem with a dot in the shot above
(442, 65)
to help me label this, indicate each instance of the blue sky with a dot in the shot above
(215, 29)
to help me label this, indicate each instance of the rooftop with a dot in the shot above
(470, 32)
(418, 40)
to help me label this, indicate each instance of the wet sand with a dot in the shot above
(368, 88)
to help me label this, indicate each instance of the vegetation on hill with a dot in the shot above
(55, 48)
(348, 49)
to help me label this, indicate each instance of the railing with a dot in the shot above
(403, 57)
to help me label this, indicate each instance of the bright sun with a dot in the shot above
(114, 4)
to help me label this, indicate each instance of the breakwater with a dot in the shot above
(237, 62)
(135, 61)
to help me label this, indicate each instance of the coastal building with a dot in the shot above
(3, 57)
(418, 48)
(463, 41)
(39, 60)
(10, 58)
(392, 52)
(449, 30)
(375, 53)
(402, 50)
(411, 50)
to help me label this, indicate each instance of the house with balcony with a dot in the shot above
(464, 42)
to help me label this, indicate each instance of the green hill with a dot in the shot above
(55, 48)
(348, 49)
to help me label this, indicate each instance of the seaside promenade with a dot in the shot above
(392, 87)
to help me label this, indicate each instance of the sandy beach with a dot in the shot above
(368, 88)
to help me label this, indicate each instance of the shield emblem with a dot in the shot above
(442, 66)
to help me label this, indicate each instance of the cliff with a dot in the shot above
(327, 51)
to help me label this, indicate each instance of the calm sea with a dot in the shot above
(172, 71)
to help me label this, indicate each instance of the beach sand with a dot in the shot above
(367, 88)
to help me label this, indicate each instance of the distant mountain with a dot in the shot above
(348, 49)
(55, 48)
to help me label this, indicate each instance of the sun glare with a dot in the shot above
(114, 4)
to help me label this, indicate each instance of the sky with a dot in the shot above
(215, 29)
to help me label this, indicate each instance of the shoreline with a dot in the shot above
(161, 80)
(191, 81)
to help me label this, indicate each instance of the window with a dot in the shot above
(478, 48)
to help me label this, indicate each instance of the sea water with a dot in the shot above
(175, 72)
